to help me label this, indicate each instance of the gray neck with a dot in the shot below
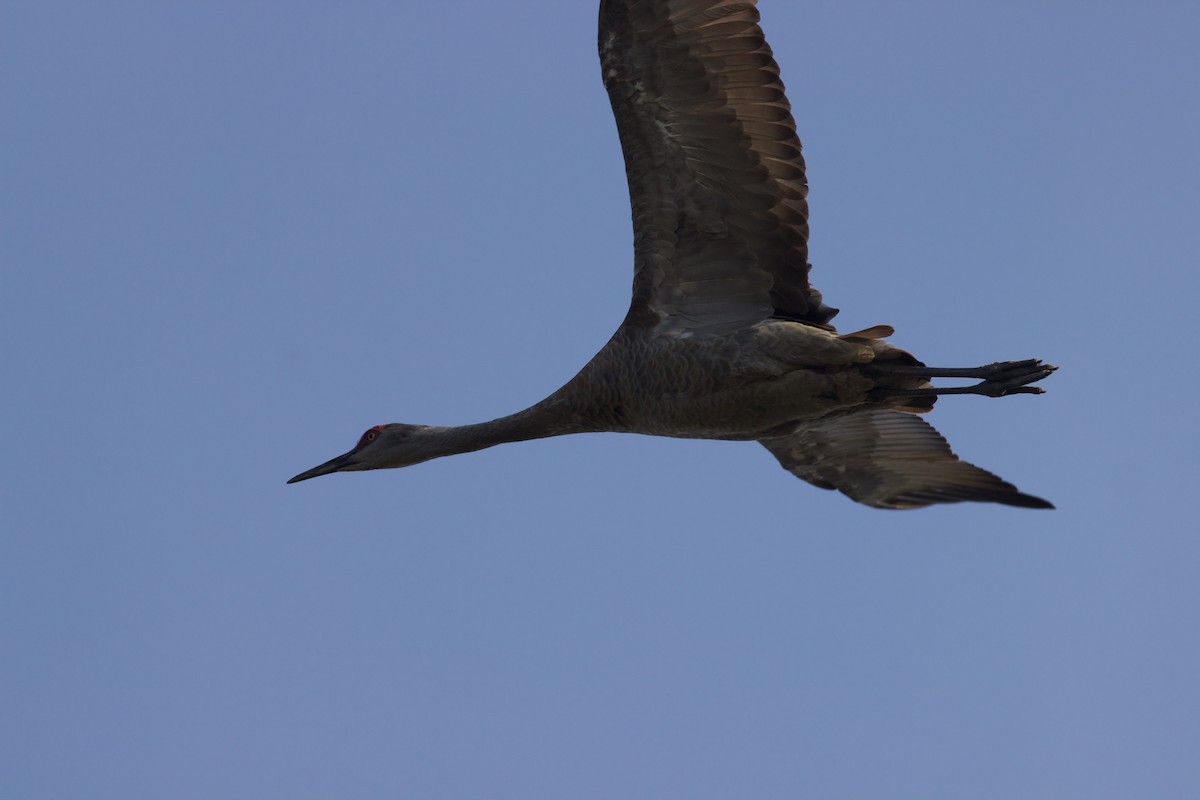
(547, 418)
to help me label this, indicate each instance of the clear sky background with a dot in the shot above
(237, 234)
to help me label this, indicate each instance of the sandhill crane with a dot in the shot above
(725, 338)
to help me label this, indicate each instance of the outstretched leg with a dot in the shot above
(998, 379)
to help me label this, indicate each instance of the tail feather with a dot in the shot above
(887, 352)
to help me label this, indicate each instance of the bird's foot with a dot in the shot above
(999, 379)
(1012, 377)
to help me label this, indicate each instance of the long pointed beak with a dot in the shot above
(332, 465)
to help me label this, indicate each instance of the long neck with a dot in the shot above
(550, 417)
(583, 405)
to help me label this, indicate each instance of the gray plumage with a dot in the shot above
(725, 338)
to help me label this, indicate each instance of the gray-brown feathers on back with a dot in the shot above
(716, 179)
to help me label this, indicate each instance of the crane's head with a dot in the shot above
(394, 445)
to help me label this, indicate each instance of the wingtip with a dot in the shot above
(1027, 501)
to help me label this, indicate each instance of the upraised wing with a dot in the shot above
(716, 179)
(889, 459)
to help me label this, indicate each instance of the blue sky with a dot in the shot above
(238, 234)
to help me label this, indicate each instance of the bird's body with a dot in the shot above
(740, 385)
(725, 338)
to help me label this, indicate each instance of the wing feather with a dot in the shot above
(716, 176)
(889, 459)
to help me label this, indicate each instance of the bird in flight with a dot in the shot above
(725, 338)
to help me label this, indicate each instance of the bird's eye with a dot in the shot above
(370, 436)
